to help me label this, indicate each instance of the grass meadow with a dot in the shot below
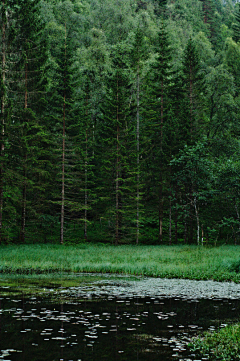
(192, 262)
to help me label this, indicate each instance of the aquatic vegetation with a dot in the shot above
(223, 344)
(186, 262)
(108, 317)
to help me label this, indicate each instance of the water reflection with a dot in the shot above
(67, 327)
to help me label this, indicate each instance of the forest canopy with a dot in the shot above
(120, 121)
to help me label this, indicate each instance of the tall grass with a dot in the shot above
(190, 262)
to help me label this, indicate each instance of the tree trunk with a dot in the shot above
(197, 218)
(24, 202)
(190, 233)
(24, 192)
(170, 221)
(238, 217)
(138, 175)
(86, 187)
(63, 178)
(161, 171)
(205, 12)
(176, 216)
(117, 178)
(117, 190)
(63, 147)
(191, 100)
(185, 227)
(2, 109)
(160, 210)
(202, 235)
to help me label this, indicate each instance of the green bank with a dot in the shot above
(219, 345)
(191, 262)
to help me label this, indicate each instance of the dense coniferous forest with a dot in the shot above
(120, 121)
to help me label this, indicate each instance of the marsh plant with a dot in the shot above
(221, 345)
(187, 262)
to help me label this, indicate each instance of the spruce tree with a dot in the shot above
(192, 82)
(192, 110)
(116, 154)
(236, 25)
(60, 108)
(138, 55)
(3, 103)
(157, 110)
(210, 18)
(8, 10)
(27, 89)
(83, 137)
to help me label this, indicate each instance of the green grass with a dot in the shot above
(219, 345)
(192, 262)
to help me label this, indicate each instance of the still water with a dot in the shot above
(72, 323)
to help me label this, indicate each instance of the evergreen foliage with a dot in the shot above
(126, 124)
(115, 152)
(236, 25)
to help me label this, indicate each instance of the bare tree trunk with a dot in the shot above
(117, 190)
(170, 221)
(197, 218)
(160, 210)
(138, 91)
(24, 192)
(24, 202)
(170, 203)
(161, 171)
(184, 210)
(63, 178)
(117, 178)
(176, 216)
(191, 101)
(86, 187)
(2, 108)
(190, 233)
(63, 147)
(238, 218)
(185, 228)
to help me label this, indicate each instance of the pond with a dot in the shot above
(96, 317)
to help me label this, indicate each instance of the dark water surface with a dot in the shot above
(67, 325)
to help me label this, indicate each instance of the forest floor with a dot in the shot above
(185, 262)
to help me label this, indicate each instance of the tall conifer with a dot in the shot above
(236, 25)
(115, 152)
(27, 89)
(158, 104)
